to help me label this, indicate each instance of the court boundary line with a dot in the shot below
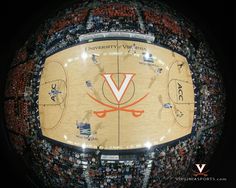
(121, 39)
(119, 151)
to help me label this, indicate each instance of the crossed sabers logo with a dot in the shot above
(118, 93)
(200, 168)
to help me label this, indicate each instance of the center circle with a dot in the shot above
(128, 94)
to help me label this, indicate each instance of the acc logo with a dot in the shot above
(118, 91)
(200, 172)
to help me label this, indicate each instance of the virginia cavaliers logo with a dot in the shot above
(118, 92)
(200, 172)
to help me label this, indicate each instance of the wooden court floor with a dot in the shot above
(116, 94)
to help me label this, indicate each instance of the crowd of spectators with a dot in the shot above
(171, 162)
(18, 141)
(113, 17)
(18, 79)
(161, 22)
(128, 173)
(74, 18)
(16, 114)
(61, 166)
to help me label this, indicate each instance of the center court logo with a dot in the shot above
(201, 172)
(118, 91)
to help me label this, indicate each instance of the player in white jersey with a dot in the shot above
(167, 105)
(132, 49)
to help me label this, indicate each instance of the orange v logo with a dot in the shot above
(118, 91)
(200, 168)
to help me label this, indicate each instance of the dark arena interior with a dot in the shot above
(67, 121)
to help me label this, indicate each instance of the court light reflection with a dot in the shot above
(83, 146)
(148, 144)
(84, 55)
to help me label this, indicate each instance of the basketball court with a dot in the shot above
(116, 95)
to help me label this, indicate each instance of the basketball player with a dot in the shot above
(147, 58)
(152, 80)
(167, 105)
(132, 49)
(94, 58)
(88, 115)
(158, 71)
(89, 84)
(180, 66)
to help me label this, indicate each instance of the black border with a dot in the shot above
(215, 18)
